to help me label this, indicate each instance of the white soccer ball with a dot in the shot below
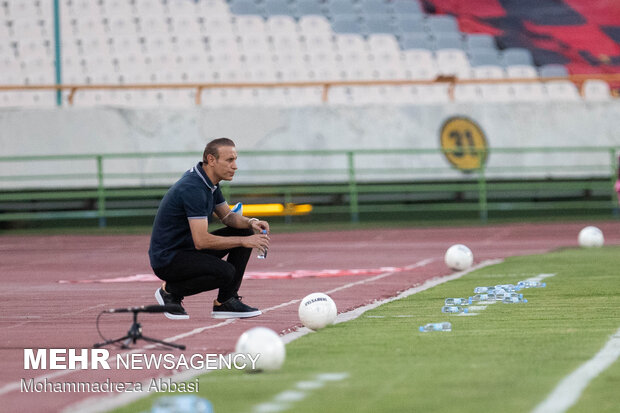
(591, 237)
(458, 257)
(317, 310)
(264, 343)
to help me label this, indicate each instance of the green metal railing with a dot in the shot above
(346, 188)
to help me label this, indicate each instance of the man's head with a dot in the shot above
(220, 160)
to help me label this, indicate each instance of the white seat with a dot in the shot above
(122, 45)
(315, 42)
(182, 7)
(218, 24)
(188, 44)
(497, 92)
(521, 72)
(529, 92)
(27, 27)
(147, 7)
(224, 43)
(90, 26)
(350, 42)
(281, 42)
(212, 8)
(26, 9)
(281, 24)
(119, 7)
(355, 59)
(562, 90)
(248, 25)
(422, 73)
(156, 43)
(150, 24)
(340, 95)
(121, 25)
(383, 43)
(596, 90)
(467, 93)
(432, 93)
(488, 72)
(185, 25)
(418, 58)
(305, 96)
(453, 62)
(250, 42)
(359, 73)
(314, 24)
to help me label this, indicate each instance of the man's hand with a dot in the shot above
(259, 226)
(259, 241)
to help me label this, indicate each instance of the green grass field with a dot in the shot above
(508, 358)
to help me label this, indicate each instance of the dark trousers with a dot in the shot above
(194, 271)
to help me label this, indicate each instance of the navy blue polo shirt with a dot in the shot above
(192, 197)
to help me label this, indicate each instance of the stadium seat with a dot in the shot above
(338, 9)
(596, 90)
(529, 92)
(562, 90)
(452, 62)
(277, 7)
(553, 70)
(318, 43)
(314, 24)
(382, 23)
(375, 7)
(521, 71)
(488, 72)
(150, 24)
(417, 41)
(222, 25)
(350, 43)
(281, 25)
(407, 7)
(383, 43)
(306, 8)
(281, 43)
(477, 41)
(442, 24)
(517, 56)
(448, 40)
(409, 23)
(246, 7)
(496, 92)
(347, 24)
(467, 93)
(484, 57)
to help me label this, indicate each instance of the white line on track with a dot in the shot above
(569, 390)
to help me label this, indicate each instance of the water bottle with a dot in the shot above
(508, 287)
(514, 300)
(483, 290)
(511, 295)
(262, 254)
(454, 309)
(531, 284)
(456, 301)
(482, 297)
(446, 326)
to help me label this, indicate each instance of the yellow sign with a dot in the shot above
(463, 143)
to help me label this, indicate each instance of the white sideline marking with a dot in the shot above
(284, 400)
(102, 404)
(570, 388)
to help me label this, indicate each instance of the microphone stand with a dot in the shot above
(134, 334)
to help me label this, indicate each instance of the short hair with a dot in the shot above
(213, 147)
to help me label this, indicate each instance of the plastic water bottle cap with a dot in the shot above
(466, 310)
(421, 328)
(525, 300)
(543, 285)
(470, 300)
(264, 231)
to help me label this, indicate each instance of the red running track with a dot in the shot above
(40, 312)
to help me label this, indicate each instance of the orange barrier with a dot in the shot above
(578, 80)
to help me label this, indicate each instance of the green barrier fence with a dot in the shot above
(348, 186)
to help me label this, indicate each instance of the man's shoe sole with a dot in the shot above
(170, 315)
(232, 314)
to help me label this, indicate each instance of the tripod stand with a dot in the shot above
(134, 334)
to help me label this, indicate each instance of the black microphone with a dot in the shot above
(145, 309)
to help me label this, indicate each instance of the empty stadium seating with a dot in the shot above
(215, 41)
